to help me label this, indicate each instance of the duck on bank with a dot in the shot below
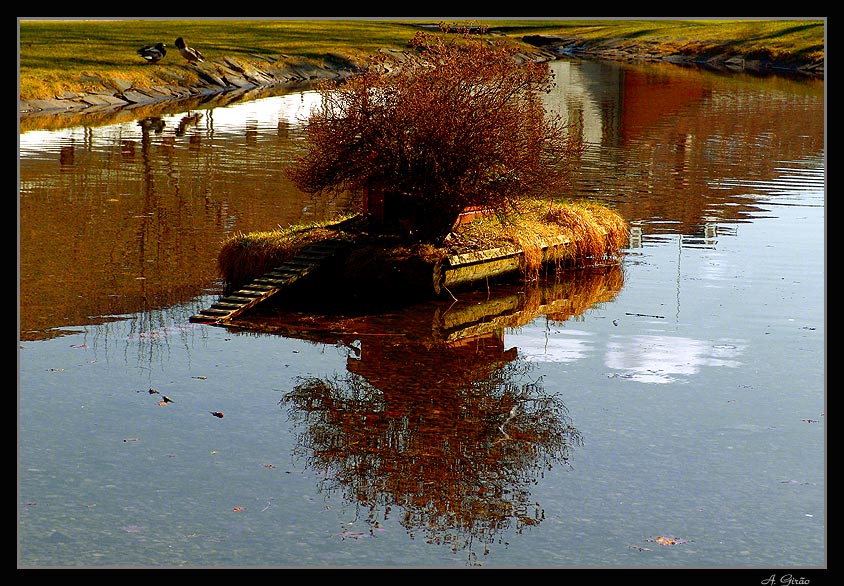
(190, 54)
(153, 53)
(229, 74)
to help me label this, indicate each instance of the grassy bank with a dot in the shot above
(57, 55)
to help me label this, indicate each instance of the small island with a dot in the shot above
(455, 169)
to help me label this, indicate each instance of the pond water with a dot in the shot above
(666, 412)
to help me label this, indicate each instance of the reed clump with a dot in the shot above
(596, 234)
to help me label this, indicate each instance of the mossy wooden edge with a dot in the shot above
(578, 234)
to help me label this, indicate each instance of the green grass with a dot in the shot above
(55, 55)
(776, 39)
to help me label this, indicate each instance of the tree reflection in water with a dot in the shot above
(442, 421)
(457, 457)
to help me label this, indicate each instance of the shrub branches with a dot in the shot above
(460, 124)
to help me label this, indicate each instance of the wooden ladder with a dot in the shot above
(308, 259)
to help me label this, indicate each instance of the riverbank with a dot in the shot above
(669, 51)
(211, 83)
(217, 82)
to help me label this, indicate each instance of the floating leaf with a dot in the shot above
(667, 540)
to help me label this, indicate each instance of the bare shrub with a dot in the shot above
(460, 124)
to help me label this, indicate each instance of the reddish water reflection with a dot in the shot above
(435, 415)
(127, 218)
(677, 146)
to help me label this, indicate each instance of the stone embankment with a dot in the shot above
(218, 82)
(212, 82)
(198, 81)
(653, 51)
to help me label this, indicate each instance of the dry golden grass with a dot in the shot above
(596, 232)
(245, 256)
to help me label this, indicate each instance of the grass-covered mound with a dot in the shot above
(595, 232)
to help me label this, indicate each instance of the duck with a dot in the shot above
(189, 53)
(153, 53)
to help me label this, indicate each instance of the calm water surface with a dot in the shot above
(668, 412)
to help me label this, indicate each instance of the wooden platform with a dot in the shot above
(306, 261)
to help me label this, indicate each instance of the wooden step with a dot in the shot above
(262, 288)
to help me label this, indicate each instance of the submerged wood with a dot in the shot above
(309, 259)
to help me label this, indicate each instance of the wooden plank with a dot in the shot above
(479, 271)
(494, 262)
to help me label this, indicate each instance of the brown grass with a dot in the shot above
(246, 256)
(597, 235)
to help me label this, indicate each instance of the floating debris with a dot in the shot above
(351, 535)
(667, 540)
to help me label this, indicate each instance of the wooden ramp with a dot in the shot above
(306, 261)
